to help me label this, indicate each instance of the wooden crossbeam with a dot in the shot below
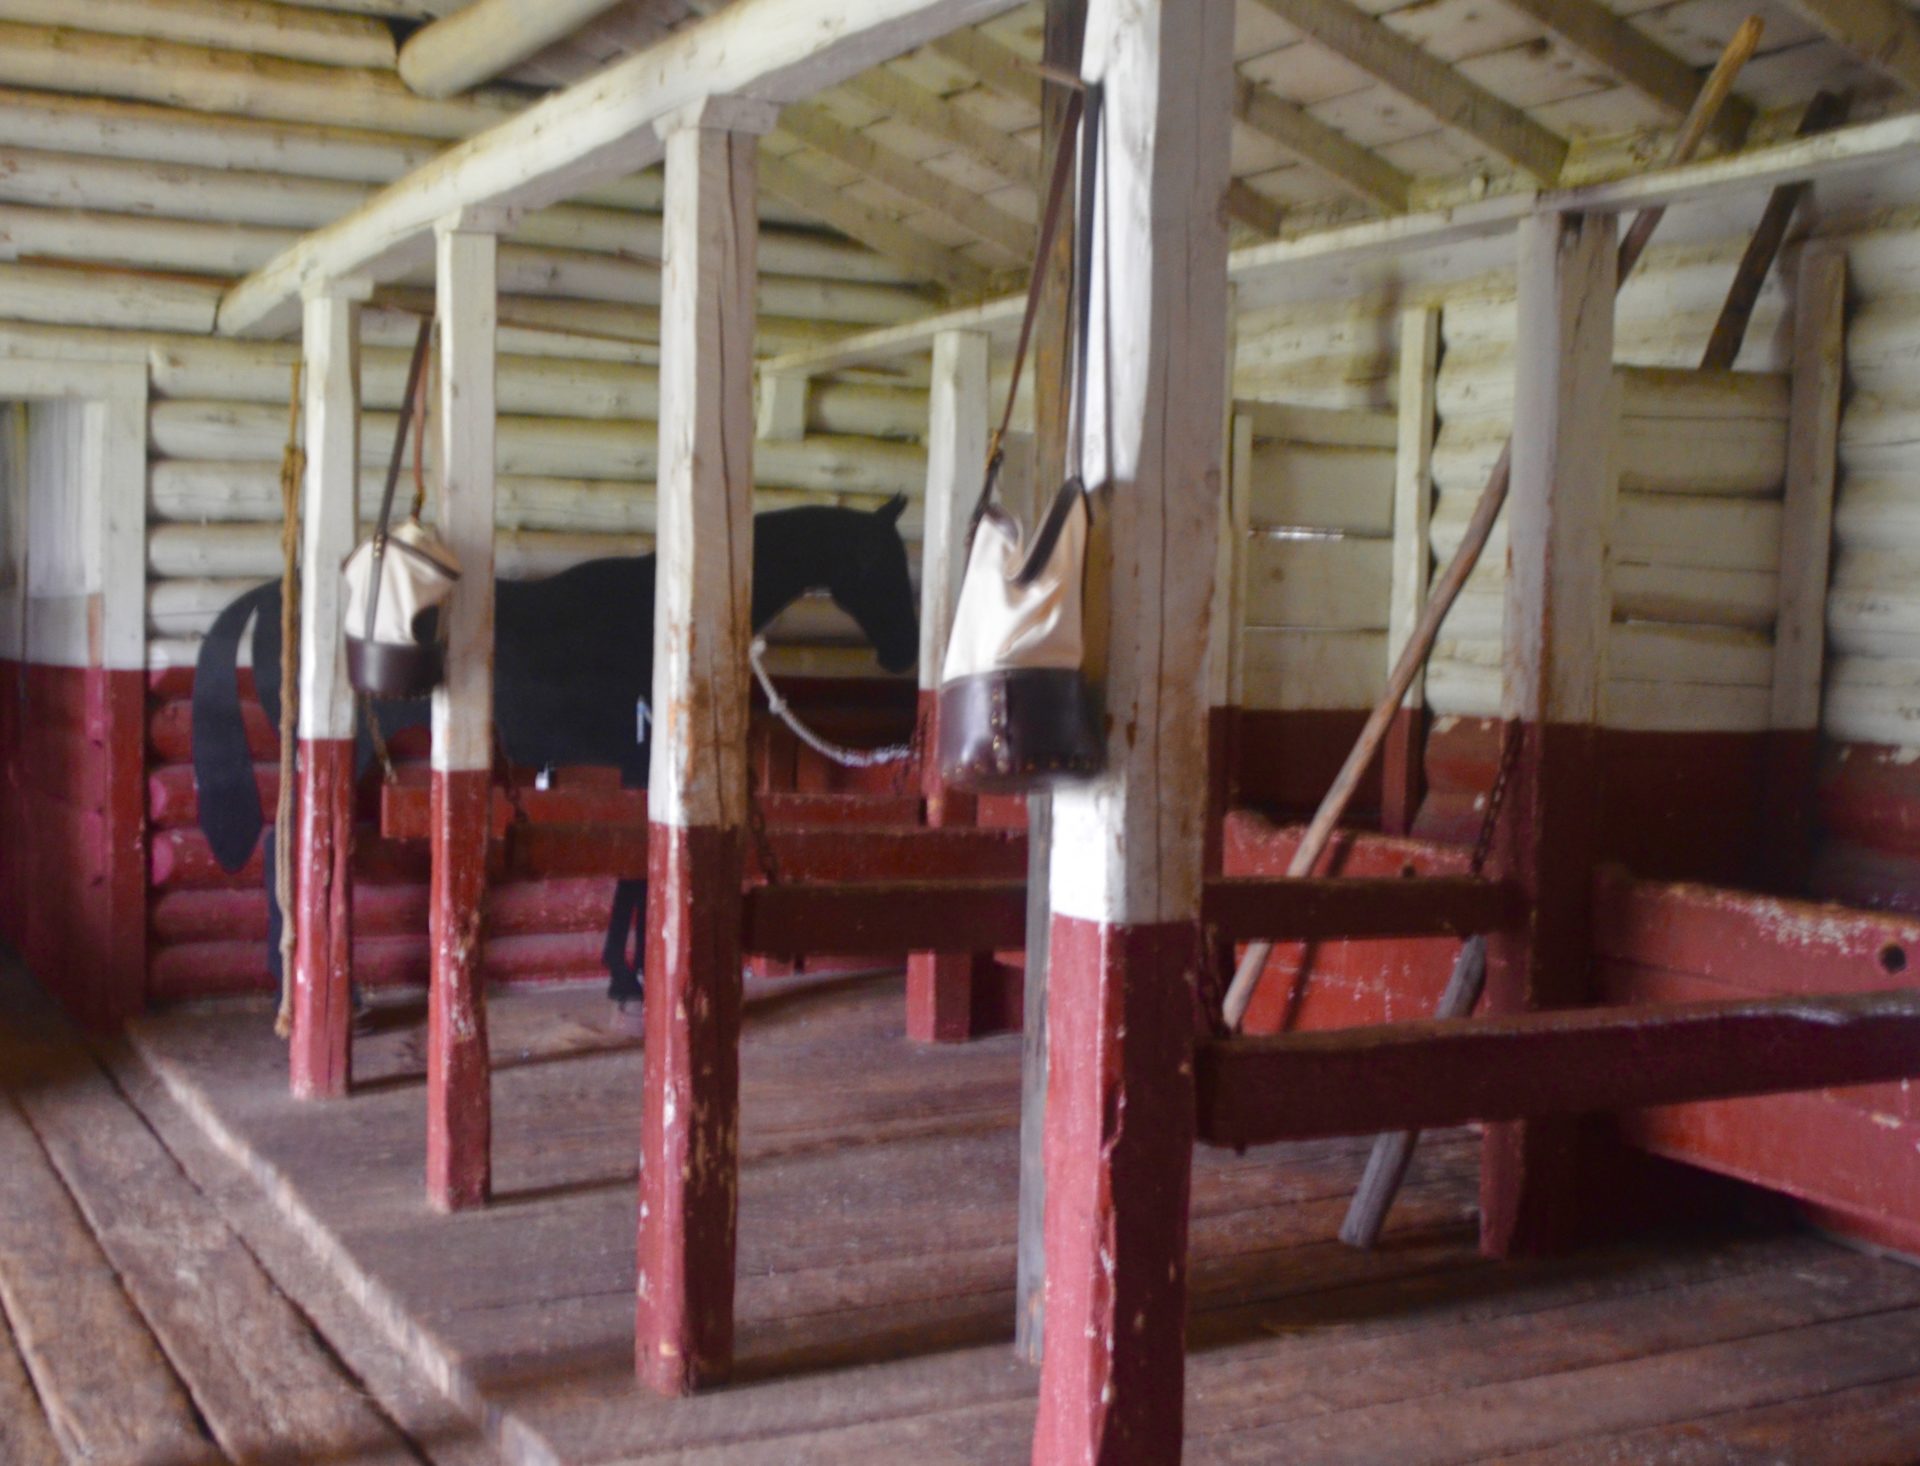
(1882, 33)
(1424, 1075)
(1635, 58)
(1428, 82)
(1363, 173)
(885, 917)
(815, 127)
(884, 236)
(602, 128)
(1355, 908)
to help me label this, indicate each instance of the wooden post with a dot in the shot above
(1806, 550)
(459, 1105)
(697, 792)
(319, 1051)
(1559, 516)
(1065, 27)
(940, 984)
(1403, 780)
(1128, 845)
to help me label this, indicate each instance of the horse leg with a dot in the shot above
(629, 912)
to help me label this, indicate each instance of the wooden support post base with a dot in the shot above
(942, 986)
(1403, 777)
(459, 1102)
(1119, 1155)
(319, 1053)
(1539, 1178)
(689, 1143)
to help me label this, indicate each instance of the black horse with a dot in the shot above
(573, 674)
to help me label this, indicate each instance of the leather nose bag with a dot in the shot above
(1016, 710)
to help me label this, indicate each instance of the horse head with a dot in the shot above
(868, 578)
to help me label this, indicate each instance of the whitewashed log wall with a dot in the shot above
(1313, 562)
(576, 462)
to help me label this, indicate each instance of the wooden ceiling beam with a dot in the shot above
(1362, 173)
(601, 128)
(1427, 81)
(1638, 61)
(487, 38)
(812, 125)
(837, 209)
(921, 110)
(1882, 33)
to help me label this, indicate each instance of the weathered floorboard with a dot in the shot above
(25, 1437)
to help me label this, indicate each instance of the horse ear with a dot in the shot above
(890, 512)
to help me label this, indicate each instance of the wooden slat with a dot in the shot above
(1640, 62)
(543, 851)
(886, 917)
(25, 1437)
(1428, 82)
(1322, 584)
(870, 227)
(1355, 908)
(259, 1378)
(1363, 173)
(1413, 1076)
(1311, 485)
(107, 1389)
(1881, 33)
(1312, 669)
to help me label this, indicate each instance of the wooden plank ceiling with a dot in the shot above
(1346, 109)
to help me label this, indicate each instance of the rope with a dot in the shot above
(293, 464)
(849, 758)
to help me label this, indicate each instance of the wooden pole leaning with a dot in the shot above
(1319, 834)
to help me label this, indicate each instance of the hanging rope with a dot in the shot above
(849, 758)
(293, 466)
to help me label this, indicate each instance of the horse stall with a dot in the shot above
(1468, 1014)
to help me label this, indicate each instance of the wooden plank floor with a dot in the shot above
(136, 1324)
(876, 1263)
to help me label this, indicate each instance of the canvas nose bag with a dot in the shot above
(1016, 710)
(395, 577)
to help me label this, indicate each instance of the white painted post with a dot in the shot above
(1128, 846)
(1401, 772)
(940, 984)
(697, 791)
(319, 1053)
(957, 433)
(459, 1106)
(1806, 553)
(1559, 520)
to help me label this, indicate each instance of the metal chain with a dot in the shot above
(1503, 770)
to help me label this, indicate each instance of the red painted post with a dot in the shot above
(1129, 846)
(697, 789)
(459, 1104)
(319, 1051)
(1533, 1197)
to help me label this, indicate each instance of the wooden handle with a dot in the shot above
(1319, 834)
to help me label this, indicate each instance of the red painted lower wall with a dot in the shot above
(72, 891)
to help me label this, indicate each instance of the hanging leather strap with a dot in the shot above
(414, 370)
(1067, 498)
(1036, 283)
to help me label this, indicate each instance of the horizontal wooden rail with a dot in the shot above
(880, 918)
(1421, 1075)
(1354, 908)
(405, 812)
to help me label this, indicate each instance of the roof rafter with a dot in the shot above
(922, 110)
(1882, 33)
(1363, 173)
(1426, 80)
(1637, 60)
(884, 236)
(601, 128)
(1008, 73)
(814, 126)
